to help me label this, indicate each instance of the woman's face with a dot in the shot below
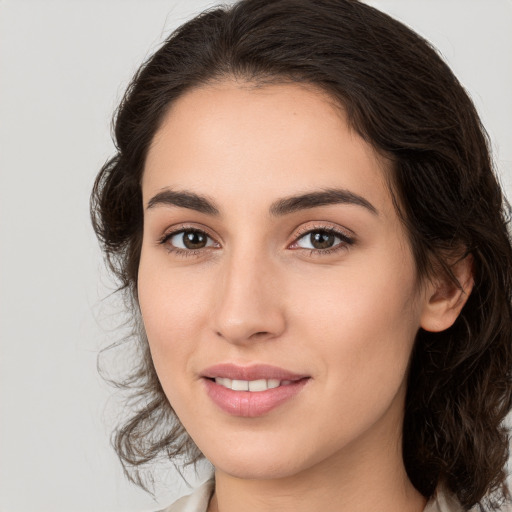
(273, 256)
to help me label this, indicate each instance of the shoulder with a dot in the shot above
(195, 502)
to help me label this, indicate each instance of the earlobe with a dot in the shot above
(444, 299)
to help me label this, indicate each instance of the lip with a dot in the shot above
(253, 372)
(246, 403)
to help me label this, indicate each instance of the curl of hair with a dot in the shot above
(403, 99)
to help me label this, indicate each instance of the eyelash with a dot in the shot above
(346, 241)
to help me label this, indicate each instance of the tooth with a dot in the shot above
(240, 385)
(252, 385)
(273, 383)
(258, 385)
(223, 381)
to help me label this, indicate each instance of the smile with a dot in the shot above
(251, 385)
(251, 391)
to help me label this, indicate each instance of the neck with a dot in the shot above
(314, 492)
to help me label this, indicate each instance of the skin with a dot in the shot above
(257, 293)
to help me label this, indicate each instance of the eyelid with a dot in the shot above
(346, 237)
(179, 228)
(324, 226)
(176, 230)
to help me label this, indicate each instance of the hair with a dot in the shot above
(401, 97)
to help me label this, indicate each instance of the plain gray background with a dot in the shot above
(64, 65)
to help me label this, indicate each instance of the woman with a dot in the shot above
(303, 212)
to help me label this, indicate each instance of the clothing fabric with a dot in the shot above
(198, 501)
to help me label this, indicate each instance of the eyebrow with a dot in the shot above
(281, 207)
(184, 199)
(319, 198)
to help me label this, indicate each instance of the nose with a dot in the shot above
(248, 301)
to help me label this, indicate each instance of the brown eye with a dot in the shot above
(190, 239)
(318, 239)
(194, 239)
(323, 240)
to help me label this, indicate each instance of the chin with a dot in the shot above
(256, 462)
(257, 470)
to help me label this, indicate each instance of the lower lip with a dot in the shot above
(251, 404)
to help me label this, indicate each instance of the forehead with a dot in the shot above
(228, 139)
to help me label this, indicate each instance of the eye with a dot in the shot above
(187, 241)
(323, 240)
(190, 239)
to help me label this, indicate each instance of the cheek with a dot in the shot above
(363, 321)
(174, 305)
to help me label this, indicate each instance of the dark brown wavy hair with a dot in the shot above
(403, 99)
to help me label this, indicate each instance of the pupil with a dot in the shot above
(194, 240)
(322, 240)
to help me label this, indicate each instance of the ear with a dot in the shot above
(444, 299)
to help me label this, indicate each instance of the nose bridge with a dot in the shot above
(248, 302)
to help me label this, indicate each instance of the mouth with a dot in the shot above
(256, 386)
(251, 391)
(255, 372)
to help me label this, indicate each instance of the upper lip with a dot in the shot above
(252, 372)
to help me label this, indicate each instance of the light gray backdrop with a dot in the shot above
(63, 67)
